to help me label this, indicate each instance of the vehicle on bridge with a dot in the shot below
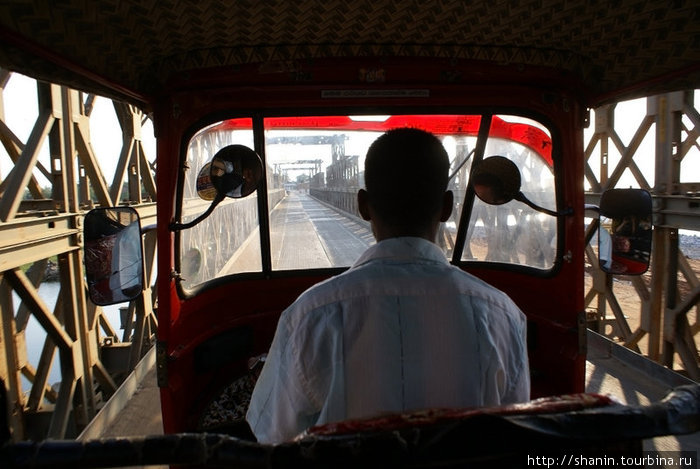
(238, 118)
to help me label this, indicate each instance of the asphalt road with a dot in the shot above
(305, 233)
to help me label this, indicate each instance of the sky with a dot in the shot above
(21, 110)
(628, 117)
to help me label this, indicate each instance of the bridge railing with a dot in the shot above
(657, 314)
(343, 199)
(63, 337)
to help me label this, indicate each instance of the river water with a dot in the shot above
(35, 334)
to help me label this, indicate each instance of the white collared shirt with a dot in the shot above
(401, 330)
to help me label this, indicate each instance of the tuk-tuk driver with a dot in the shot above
(402, 329)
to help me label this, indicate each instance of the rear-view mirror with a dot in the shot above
(113, 255)
(496, 181)
(235, 171)
(624, 235)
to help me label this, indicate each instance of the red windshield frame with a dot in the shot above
(463, 125)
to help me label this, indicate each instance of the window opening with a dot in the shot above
(314, 167)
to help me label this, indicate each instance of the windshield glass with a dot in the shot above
(313, 170)
(514, 233)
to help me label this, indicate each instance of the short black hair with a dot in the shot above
(406, 175)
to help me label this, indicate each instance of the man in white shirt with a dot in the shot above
(402, 329)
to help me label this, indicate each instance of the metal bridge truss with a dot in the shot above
(312, 166)
(40, 230)
(92, 356)
(662, 319)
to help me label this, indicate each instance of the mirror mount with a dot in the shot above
(235, 171)
(174, 226)
(496, 181)
(520, 197)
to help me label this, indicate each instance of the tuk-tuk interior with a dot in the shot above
(316, 100)
(226, 294)
(232, 274)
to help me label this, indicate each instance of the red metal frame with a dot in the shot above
(524, 134)
(553, 304)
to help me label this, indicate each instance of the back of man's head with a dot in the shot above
(406, 172)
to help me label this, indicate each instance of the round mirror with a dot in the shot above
(235, 171)
(205, 188)
(496, 180)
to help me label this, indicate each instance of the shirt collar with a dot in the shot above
(404, 248)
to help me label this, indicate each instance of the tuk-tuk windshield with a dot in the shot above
(314, 167)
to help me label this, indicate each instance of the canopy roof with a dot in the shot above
(129, 49)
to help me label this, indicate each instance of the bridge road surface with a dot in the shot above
(305, 233)
(339, 240)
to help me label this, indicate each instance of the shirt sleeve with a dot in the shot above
(279, 407)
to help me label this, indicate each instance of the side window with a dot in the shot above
(514, 233)
(228, 241)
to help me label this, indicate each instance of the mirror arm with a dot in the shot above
(520, 197)
(174, 226)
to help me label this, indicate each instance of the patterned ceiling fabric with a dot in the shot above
(610, 45)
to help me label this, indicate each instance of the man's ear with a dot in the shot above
(363, 204)
(447, 203)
